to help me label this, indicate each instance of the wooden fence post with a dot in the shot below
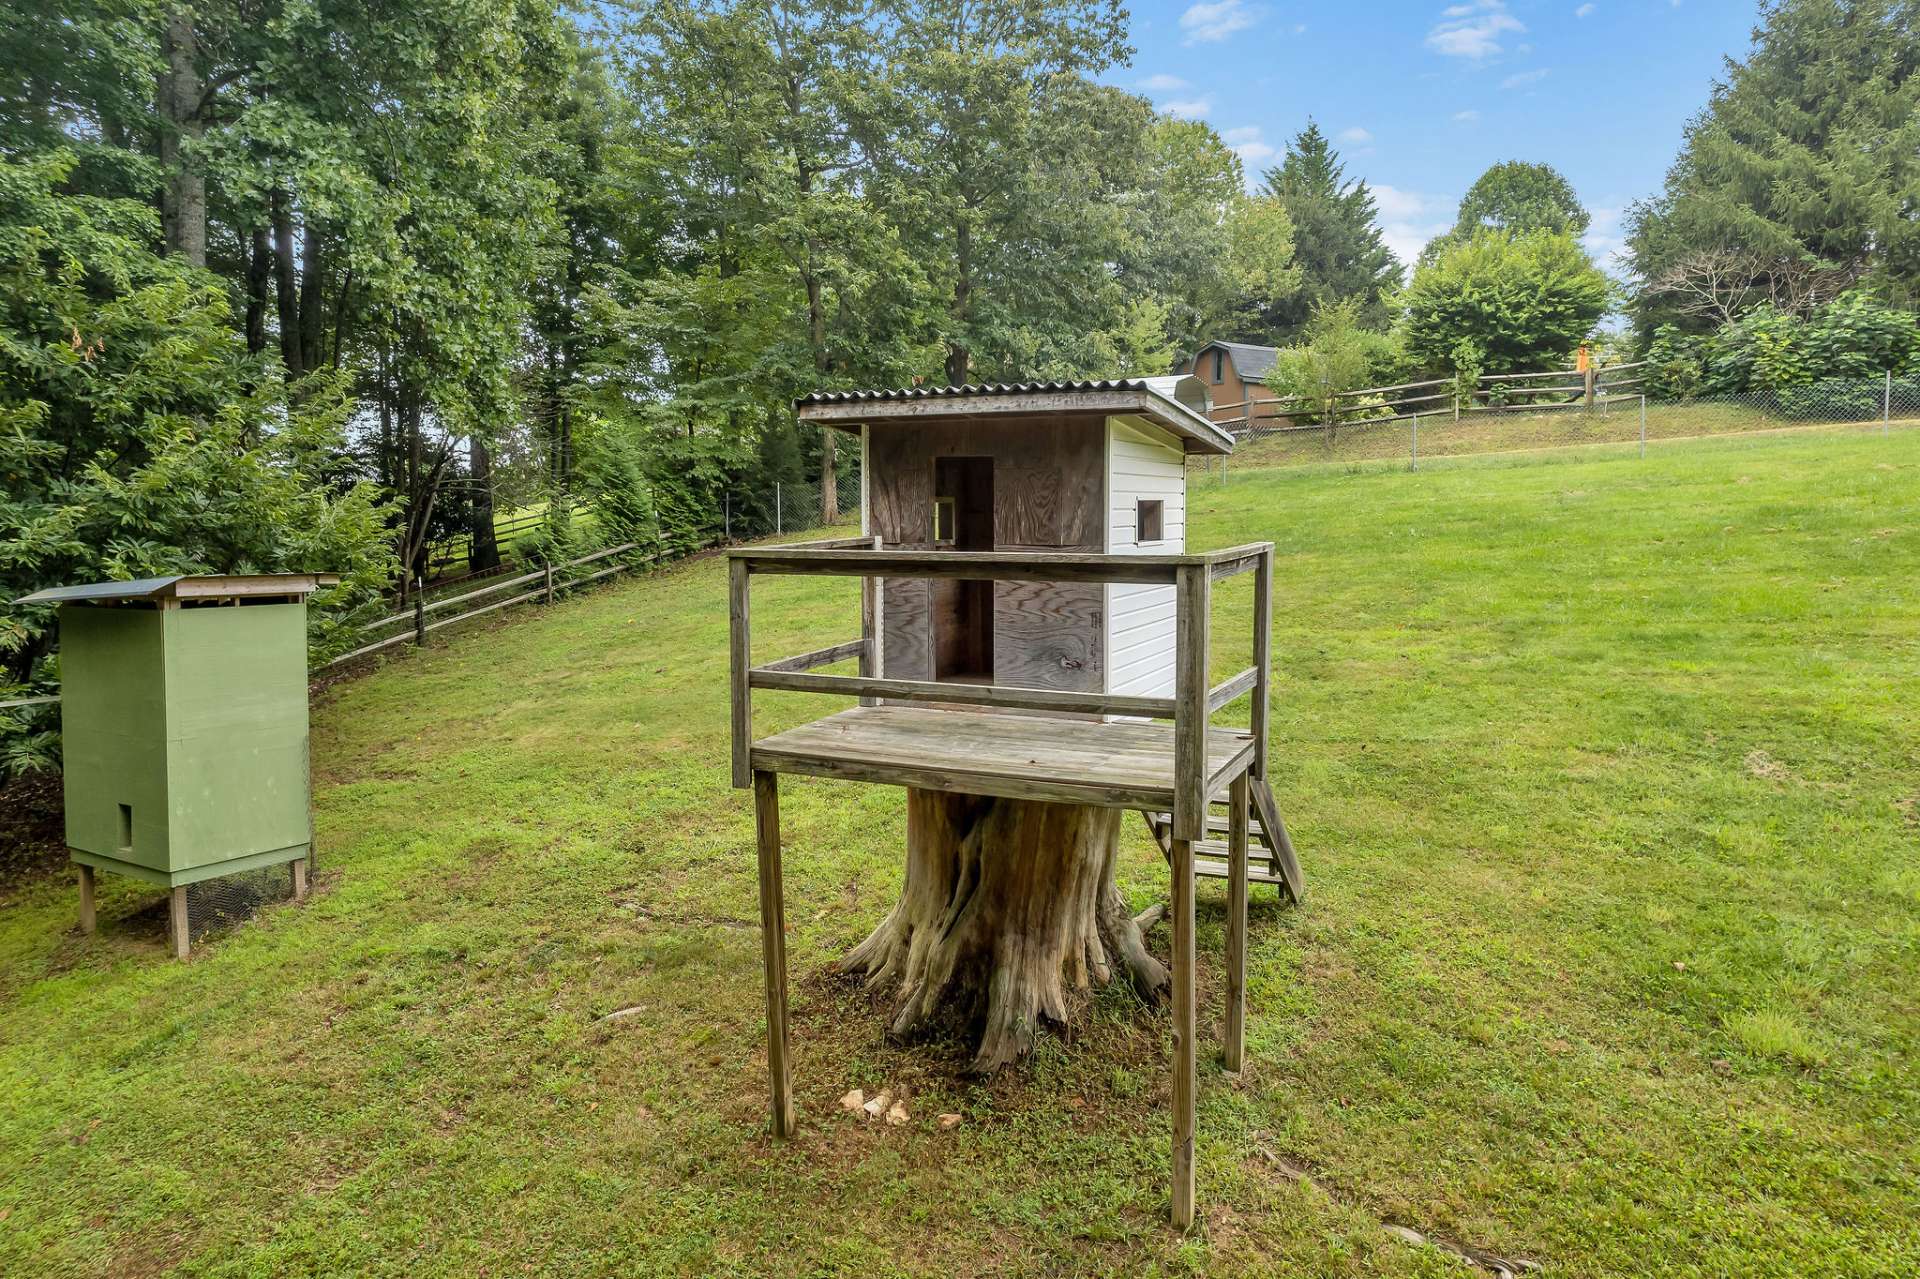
(740, 650)
(1192, 600)
(547, 583)
(419, 612)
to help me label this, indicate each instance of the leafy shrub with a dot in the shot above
(1340, 354)
(139, 438)
(1524, 299)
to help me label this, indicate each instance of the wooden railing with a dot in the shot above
(1190, 708)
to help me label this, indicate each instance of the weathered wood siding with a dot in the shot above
(1048, 494)
(1142, 462)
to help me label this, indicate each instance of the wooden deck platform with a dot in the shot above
(1068, 761)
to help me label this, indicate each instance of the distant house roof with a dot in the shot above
(1179, 403)
(1251, 362)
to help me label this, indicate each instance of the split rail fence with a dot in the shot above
(551, 583)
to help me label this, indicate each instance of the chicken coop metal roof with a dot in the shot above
(1178, 402)
(185, 587)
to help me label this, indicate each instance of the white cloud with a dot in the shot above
(1465, 117)
(1214, 20)
(1251, 145)
(1189, 108)
(1408, 219)
(1524, 78)
(1583, 11)
(1163, 83)
(1472, 30)
(1356, 136)
(1606, 238)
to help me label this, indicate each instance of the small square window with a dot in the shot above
(943, 520)
(1149, 521)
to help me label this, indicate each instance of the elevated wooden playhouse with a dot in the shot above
(1033, 629)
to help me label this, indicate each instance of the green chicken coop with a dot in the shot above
(184, 728)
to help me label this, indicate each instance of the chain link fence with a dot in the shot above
(778, 507)
(1617, 413)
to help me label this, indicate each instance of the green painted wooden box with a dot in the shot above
(184, 724)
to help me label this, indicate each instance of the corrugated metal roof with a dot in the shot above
(1184, 400)
(975, 388)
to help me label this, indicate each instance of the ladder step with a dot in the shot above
(1256, 835)
(1256, 873)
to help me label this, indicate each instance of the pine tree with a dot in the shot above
(1801, 175)
(1337, 244)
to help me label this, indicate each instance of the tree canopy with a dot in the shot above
(1800, 177)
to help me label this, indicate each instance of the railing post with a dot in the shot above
(871, 612)
(776, 508)
(1192, 592)
(740, 648)
(1886, 405)
(1262, 659)
(419, 612)
(1643, 425)
(1415, 464)
(547, 582)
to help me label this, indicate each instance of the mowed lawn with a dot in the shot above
(1605, 775)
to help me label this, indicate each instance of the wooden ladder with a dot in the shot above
(1270, 856)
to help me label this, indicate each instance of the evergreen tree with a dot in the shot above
(1802, 174)
(1336, 239)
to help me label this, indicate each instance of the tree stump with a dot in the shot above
(1009, 907)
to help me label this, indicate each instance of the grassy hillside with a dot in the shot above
(1606, 779)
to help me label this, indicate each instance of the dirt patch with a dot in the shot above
(1763, 765)
(33, 840)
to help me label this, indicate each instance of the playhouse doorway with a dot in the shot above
(962, 611)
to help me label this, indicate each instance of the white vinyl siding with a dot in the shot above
(1143, 462)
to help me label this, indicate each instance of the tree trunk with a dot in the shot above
(259, 265)
(959, 354)
(283, 278)
(312, 300)
(1009, 908)
(486, 547)
(177, 93)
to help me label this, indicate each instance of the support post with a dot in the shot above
(1262, 716)
(1643, 426)
(299, 865)
(177, 933)
(1234, 1035)
(1185, 1077)
(740, 648)
(546, 583)
(1415, 465)
(777, 517)
(88, 918)
(1191, 606)
(1886, 405)
(419, 612)
(726, 500)
(773, 946)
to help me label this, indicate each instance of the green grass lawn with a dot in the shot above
(1615, 422)
(1605, 775)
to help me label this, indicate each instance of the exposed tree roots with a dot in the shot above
(1009, 907)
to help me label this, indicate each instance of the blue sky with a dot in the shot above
(1422, 95)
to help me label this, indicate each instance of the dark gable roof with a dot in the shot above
(1251, 362)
